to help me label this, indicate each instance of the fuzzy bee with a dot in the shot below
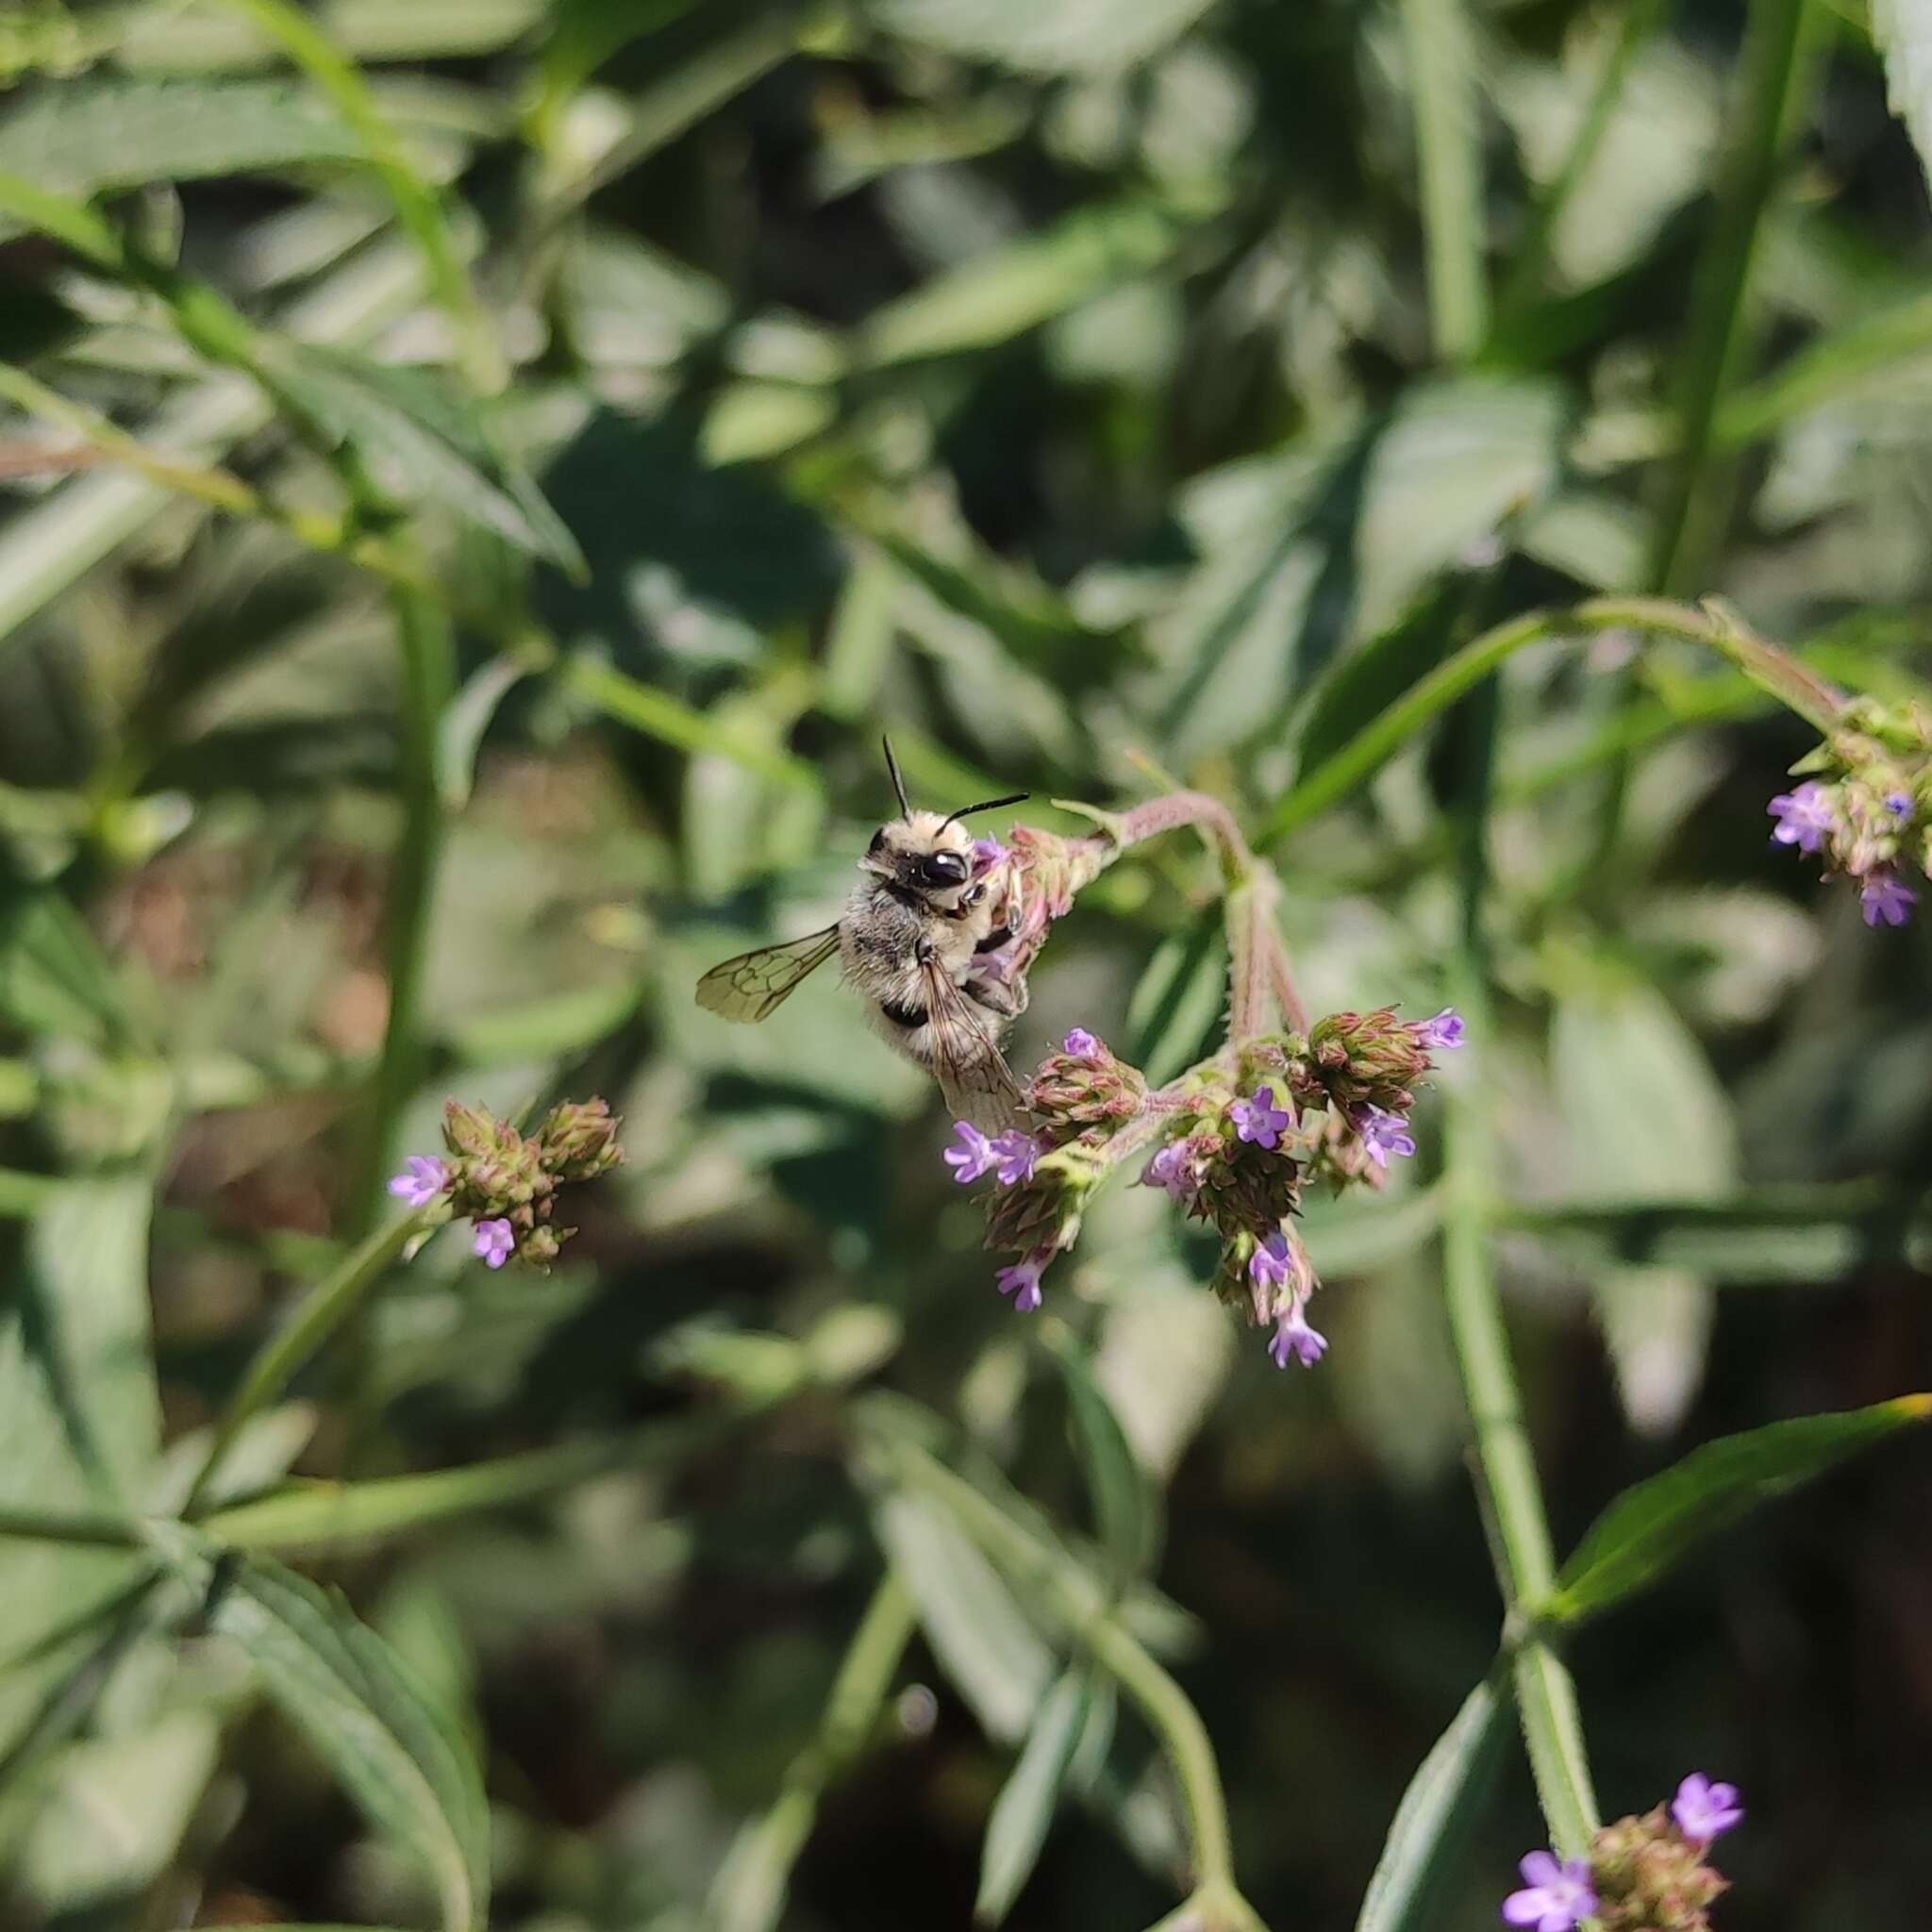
(915, 943)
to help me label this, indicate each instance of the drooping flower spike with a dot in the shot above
(1293, 1337)
(1885, 899)
(1022, 1280)
(1702, 1810)
(422, 1180)
(1383, 1134)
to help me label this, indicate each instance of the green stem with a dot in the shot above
(1085, 1610)
(1449, 163)
(318, 1516)
(1794, 687)
(1511, 1496)
(95, 1531)
(428, 659)
(320, 1313)
(418, 207)
(748, 1894)
(1692, 508)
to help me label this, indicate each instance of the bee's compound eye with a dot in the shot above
(944, 869)
(879, 841)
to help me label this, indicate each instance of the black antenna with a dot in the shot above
(898, 783)
(986, 805)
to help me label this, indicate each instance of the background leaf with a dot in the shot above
(1650, 1528)
(389, 1743)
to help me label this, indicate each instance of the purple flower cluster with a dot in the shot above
(505, 1181)
(1010, 1157)
(1641, 1872)
(1859, 823)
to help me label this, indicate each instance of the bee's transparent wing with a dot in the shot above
(967, 1061)
(754, 984)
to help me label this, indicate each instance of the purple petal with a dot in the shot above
(1540, 1868)
(1080, 1045)
(1525, 1908)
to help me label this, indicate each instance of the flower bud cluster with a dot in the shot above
(1869, 810)
(1037, 876)
(505, 1182)
(1642, 1874)
(1238, 1137)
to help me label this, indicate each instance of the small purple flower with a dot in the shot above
(972, 1157)
(1022, 1280)
(421, 1180)
(1293, 1336)
(1260, 1120)
(1080, 1045)
(1885, 899)
(494, 1239)
(1173, 1170)
(1804, 817)
(1899, 804)
(1440, 1035)
(1012, 1154)
(1269, 1264)
(1556, 1897)
(1383, 1133)
(1702, 1810)
(988, 853)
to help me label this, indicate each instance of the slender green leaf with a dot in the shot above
(1069, 37)
(54, 980)
(992, 299)
(79, 1422)
(1437, 1815)
(397, 1755)
(1449, 164)
(1651, 1526)
(977, 1630)
(424, 445)
(1125, 1505)
(1024, 1809)
(107, 133)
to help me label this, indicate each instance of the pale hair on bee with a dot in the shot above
(916, 943)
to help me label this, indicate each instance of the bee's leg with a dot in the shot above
(1007, 998)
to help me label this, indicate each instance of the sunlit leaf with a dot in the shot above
(1653, 1527)
(395, 1751)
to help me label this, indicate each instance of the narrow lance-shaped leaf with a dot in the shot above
(1024, 1809)
(1436, 1813)
(979, 1632)
(396, 1754)
(1124, 1503)
(1651, 1526)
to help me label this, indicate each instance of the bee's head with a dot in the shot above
(921, 851)
(924, 854)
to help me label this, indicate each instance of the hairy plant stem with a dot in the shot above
(314, 1318)
(1261, 984)
(1088, 1613)
(1711, 626)
(428, 663)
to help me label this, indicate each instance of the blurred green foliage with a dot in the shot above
(479, 475)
